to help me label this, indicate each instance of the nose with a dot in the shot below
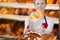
(39, 5)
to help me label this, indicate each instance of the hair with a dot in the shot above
(45, 1)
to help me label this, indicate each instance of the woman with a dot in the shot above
(43, 25)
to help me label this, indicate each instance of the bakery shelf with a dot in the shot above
(29, 5)
(56, 20)
(13, 17)
(16, 17)
(8, 36)
(21, 18)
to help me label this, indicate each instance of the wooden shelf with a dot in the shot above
(56, 20)
(13, 17)
(8, 36)
(29, 5)
(21, 18)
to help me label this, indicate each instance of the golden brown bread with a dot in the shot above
(3, 26)
(51, 1)
(38, 14)
(50, 38)
(52, 34)
(1, 0)
(5, 0)
(20, 30)
(3, 10)
(20, 37)
(44, 37)
(51, 13)
(32, 36)
(12, 0)
(11, 11)
(17, 11)
(57, 2)
(48, 1)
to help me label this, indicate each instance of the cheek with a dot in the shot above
(43, 6)
(36, 6)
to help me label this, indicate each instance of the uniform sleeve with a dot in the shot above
(32, 14)
(50, 26)
(28, 26)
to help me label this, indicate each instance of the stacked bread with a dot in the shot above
(29, 1)
(51, 13)
(8, 0)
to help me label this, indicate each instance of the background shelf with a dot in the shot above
(29, 5)
(13, 17)
(21, 18)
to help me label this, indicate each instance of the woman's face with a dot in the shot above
(40, 5)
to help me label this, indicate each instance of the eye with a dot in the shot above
(42, 3)
(37, 3)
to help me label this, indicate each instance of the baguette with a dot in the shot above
(50, 1)
(52, 13)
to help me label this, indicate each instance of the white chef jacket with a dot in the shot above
(36, 26)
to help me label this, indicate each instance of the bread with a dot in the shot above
(57, 2)
(44, 37)
(32, 36)
(19, 1)
(33, 17)
(11, 10)
(10, 0)
(52, 35)
(50, 38)
(46, 12)
(14, 0)
(3, 10)
(20, 37)
(38, 14)
(50, 1)
(0, 0)
(3, 26)
(5, 0)
(51, 13)
(17, 11)
(20, 30)
(12, 34)
(2, 31)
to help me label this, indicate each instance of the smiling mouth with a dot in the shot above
(41, 9)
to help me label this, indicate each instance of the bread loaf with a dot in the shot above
(51, 13)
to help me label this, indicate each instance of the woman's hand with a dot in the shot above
(20, 37)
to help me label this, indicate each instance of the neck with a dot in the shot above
(43, 14)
